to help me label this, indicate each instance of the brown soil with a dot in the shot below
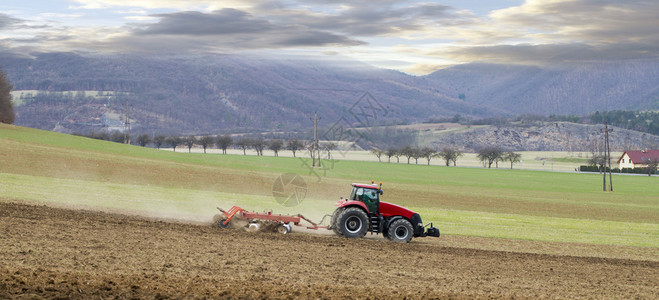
(57, 253)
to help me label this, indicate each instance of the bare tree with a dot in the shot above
(259, 144)
(407, 152)
(143, 139)
(174, 141)
(428, 153)
(652, 166)
(390, 152)
(416, 154)
(190, 141)
(489, 155)
(397, 153)
(599, 161)
(276, 145)
(7, 115)
(159, 140)
(117, 137)
(512, 157)
(294, 145)
(223, 142)
(450, 154)
(244, 143)
(329, 146)
(378, 153)
(205, 141)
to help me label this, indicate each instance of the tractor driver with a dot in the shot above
(371, 200)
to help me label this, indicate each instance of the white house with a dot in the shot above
(637, 158)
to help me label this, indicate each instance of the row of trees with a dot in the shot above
(447, 154)
(490, 155)
(487, 155)
(222, 142)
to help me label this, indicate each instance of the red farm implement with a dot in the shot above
(254, 221)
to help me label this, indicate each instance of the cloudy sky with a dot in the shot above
(411, 36)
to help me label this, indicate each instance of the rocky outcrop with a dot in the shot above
(554, 136)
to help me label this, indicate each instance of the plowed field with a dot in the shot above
(58, 253)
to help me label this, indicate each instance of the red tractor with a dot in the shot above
(363, 212)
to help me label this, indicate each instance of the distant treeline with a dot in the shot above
(643, 121)
(222, 142)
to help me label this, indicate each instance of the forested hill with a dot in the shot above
(210, 94)
(561, 89)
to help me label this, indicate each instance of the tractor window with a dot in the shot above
(371, 200)
(357, 193)
(372, 195)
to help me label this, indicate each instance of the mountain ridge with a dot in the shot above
(214, 93)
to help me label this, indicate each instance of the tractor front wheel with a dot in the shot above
(352, 223)
(400, 231)
(335, 216)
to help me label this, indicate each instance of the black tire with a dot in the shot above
(400, 231)
(352, 223)
(335, 216)
(385, 234)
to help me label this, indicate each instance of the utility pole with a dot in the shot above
(608, 151)
(315, 145)
(607, 158)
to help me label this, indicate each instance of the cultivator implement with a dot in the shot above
(254, 221)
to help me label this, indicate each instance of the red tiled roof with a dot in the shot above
(641, 156)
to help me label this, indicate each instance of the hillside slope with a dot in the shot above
(541, 136)
(207, 94)
(561, 89)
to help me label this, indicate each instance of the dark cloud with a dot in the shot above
(369, 20)
(7, 21)
(318, 38)
(222, 22)
(225, 30)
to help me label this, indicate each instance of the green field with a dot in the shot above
(45, 167)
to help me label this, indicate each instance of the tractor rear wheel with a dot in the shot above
(400, 231)
(352, 223)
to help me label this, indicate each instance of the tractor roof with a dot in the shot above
(366, 186)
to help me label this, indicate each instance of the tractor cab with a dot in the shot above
(368, 194)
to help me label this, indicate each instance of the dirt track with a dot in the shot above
(51, 253)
